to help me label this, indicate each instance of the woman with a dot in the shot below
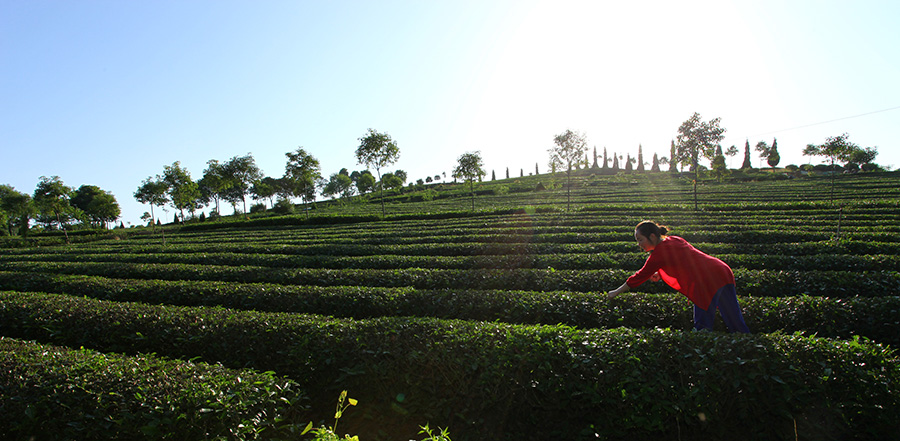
(706, 281)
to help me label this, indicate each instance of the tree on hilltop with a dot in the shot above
(51, 197)
(153, 192)
(18, 208)
(836, 149)
(301, 174)
(746, 165)
(570, 147)
(377, 150)
(183, 192)
(240, 172)
(731, 152)
(773, 158)
(673, 163)
(98, 205)
(469, 168)
(719, 169)
(640, 158)
(214, 184)
(698, 139)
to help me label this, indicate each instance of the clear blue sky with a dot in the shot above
(107, 93)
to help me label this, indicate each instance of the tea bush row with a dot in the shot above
(402, 237)
(593, 261)
(875, 318)
(828, 247)
(750, 282)
(499, 381)
(52, 392)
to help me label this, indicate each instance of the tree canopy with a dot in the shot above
(570, 148)
(154, 192)
(98, 205)
(51, 197)
(184, 193)
(301, 173)
(16, 209)
(377, 150)
(697, 139)
(469, 168)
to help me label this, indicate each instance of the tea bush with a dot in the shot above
(52, 392)
(504, 381)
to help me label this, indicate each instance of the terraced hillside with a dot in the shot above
(491, 323)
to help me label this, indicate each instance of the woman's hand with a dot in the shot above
(655, 277)
(617, 291)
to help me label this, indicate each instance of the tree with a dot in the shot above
(746, 165)
(773, 158)
(365, 182)
(720, 170)
(339, 184)
(640, 158)
(764, 150)
(655, 166)
(99, 205)
(377, 150)
(863, 155)
(628, 162)
(240, 173)
(402, 176)
(391, 181)
(697, 139)
(51, 197)
(183, 192)
(469, 168)
(153, 192)
(570, 147)
(605, 160)
(18, 209)
(301, 173)
(673, 162)
(266, 188)
(835, 148)
(731, 153)
(214, 184)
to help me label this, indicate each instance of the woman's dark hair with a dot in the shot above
(646, 228)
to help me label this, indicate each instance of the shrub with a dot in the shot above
(500, 381)
(52, 392)
(283, 206)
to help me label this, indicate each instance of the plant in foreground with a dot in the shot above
(330, 434)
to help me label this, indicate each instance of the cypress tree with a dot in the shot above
(746, 165)
(673, 162)
(774, 158)
(640, 164)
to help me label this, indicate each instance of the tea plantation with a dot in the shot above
(492, 323)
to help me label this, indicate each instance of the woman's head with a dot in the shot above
(649, 234)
